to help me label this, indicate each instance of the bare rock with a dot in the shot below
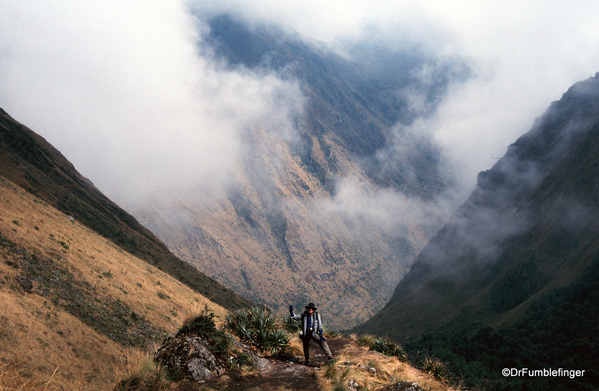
(24, 282)
(260, 362)
(353, 385)
(363, 368)
(401, 386)
(189, 356)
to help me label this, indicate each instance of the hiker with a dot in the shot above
(311, 329)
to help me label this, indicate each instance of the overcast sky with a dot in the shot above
(120, 89)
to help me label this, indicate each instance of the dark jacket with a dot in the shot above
(315, 322)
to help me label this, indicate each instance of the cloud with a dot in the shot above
(363, 205)
(125, 84)
(124, 91)
(523, 55)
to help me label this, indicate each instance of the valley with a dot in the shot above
(326, 212)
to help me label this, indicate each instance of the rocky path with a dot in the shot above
(279, 376)
(291, 376)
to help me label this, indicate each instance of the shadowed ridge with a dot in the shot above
(527, 229)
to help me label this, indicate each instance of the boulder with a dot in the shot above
(189, 356)
(24, 282)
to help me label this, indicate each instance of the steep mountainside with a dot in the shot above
(29, 161)
(287, 231)
(77, 312)
(520, 256)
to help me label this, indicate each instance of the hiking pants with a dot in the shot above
(323, 345)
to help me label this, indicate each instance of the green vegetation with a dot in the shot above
(366, 340)
(389, 348)
(170, 358)
(383, 345)
(435, 368)
(291, 325)
(163, 295)
(259, 328)
(558, 331)
(203, 325)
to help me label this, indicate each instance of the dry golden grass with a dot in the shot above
(296, 346)
(11, 380)
(354, 363)
(46, 348)
(43, 345)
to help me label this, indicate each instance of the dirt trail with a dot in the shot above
(281, 375)
(292, 376)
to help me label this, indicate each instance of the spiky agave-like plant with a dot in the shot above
(389, 348)
(435, 368)
(259, 328)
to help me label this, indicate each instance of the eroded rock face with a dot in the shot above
(189, 356)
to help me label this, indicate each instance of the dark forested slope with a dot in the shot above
(509, 281)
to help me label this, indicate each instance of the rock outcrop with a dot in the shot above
(201, 352)
(189, 356)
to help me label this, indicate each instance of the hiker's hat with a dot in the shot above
(311, 307)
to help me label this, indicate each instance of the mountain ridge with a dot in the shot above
(527, 233)
(30, 161)
(292, 204)
(77, 310)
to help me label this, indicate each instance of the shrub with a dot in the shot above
(389, 348)
(366, 340)
(291, 325)
(435, 368)
(163, 295)
(203, 325)
(259, 328)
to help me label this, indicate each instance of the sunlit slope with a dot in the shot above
(300, 221)
(91, 307)
(31, 162)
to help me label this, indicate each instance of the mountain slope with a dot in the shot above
(77, 310)
(353, 101)
(29, 161)
(300, 223)
(522, 247)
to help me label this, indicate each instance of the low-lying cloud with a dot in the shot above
(126, 93)
(523, 55)
(129, 94)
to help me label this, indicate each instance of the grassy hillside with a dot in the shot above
(93, 309)
(94, 313)
(32, 163)
(529, 227)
